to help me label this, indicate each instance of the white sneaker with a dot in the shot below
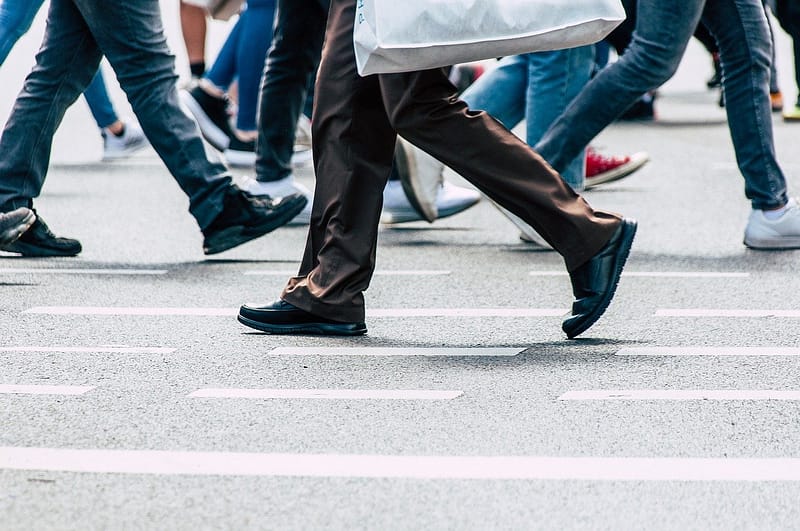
(781, 233)
(118, 147)
(526, 233)
(302, 143)
(450, 200)
(421, 176)
(280, 188)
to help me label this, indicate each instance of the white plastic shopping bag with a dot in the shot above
(408, 35)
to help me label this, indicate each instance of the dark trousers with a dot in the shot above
(290, 68)
(131, 36)
(355, 124)
(788, 15)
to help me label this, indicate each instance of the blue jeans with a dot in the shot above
(131, 36)
(242, 57)
(536, 87)
(663, 29)
(16, 17)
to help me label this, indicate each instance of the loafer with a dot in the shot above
(594, 283)
(280, 317)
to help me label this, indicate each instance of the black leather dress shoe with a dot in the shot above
(594, 283)
(282, 318)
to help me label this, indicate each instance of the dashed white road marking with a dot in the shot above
(99, 349)
(11, 389)
(400, 466)
(669, 394)
(58, 271)
(380, 272)
(708, 351)
(395, 351)
(227, 312)
(656, 274)
(328, 394)
(709, 312)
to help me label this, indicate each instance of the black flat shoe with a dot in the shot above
(282, 318)
(594, 283)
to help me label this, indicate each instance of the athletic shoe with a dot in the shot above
(129, 142)
(13, 224)
(241, 153)
(211, 114)
(245, 217)
(450, 200)
(780, 233)
(602, 169)
(281, 187)
(526, 233)
(38, 241)
(421, 176)
(303, 154)
(792, 115)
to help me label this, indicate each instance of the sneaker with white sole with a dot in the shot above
(781, 233)
(450, 200)
(526, 233)
(129, 142)
(211, 114)
(421, 176)
(280, 188)
(601, 169)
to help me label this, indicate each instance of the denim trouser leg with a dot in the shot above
(740, 27)
(99, 103)
(291, 65)
(555, 78)
(131, 36)
(536, 87)
(257, 38)
(16, 17)
(65, 64)
(223, 71)
(663, 29)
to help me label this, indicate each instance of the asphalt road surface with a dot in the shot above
(130, 398)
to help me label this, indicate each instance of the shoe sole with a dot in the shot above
(407, 215)
(637, 161)
(235, 236)
(628, 233)
(10, 235)
(240, 159)
(317, 329)
(32, 251)
(127, 152)
(412, 186)
(770, 244)
(215, 136)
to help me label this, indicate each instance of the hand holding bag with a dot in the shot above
(408, 35)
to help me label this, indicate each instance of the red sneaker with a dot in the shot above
(602, 169)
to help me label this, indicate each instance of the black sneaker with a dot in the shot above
(241, 153)
(39, 241)
(211, 114)
(245, 217)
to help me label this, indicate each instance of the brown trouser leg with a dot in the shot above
(356, 121)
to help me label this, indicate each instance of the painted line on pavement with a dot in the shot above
(98, 350)
(85, 271)
(667, 394)
(400, 466)
(708, 351)
(709, 312)
(44, 389)
(395, 351)
(227, 312)
(328, 394)
(385, 272)
(654, 274)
